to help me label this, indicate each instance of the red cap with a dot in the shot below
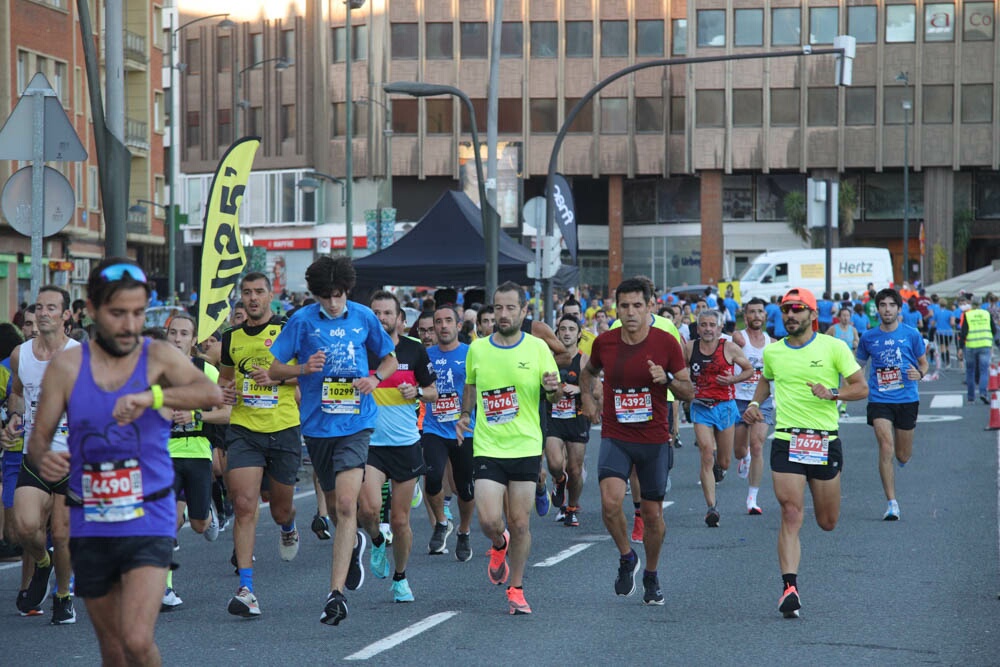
(804, 296)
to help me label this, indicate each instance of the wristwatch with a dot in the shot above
(670, 378)
(420, 392)
(836, 393)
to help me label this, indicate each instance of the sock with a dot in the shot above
(170, 578)
(636, 505)
(630, 556)
(464, 534)
(443, 523)
(378, 540)
(386, 502)
(501, 548)
(246, 577)
(789, 579)
(447, 500)
(399, 576)
(752, 496)
(45, 562)
(648, 574)
(289, 528)
(62, 596)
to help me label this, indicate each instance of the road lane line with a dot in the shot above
(398, 638)
(564, 554)
(942, 401)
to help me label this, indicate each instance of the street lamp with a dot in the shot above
(348, 117)
(387, 133)
(310, 183)
(490, 223)
(907, 105)
(280, 63)
(225, 24)
(139, 209)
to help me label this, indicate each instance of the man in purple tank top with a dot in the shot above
(118, 392)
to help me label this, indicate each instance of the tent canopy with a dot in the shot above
(979, 282)
(446, 248)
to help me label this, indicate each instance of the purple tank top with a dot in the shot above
(95, 438)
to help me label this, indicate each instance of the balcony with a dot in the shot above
(135, 52)
(137, 223)
(137, 134)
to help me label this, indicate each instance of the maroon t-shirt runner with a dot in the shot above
(635, 407)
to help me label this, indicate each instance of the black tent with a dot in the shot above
(446, 248)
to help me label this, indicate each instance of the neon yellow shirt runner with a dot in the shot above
(197, 447)
(664, 324)
(508, 384)
(822, 360)
(260, 409)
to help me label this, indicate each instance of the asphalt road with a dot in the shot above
(923, 590)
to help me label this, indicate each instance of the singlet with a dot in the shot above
(30, 371)
(441, 415)
(191, 441)
(569, 406)
(704, 370)
(112, 452)
(846, 335)
(396, 424)
(745, 390)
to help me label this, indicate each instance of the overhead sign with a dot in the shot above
(60, 202)
(61, 141)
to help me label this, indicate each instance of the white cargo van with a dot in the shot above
(774, 273)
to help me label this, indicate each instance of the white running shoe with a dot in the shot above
(170, 600)
(743, 468)
(212, 532)
(288, 546)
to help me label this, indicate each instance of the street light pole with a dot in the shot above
(387, 138)
(281, 64)
(348, 117)
(907, 105)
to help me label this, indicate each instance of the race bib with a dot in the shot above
(565, 408)
(447, 407)
(500, 405)
(889, 378)
(256, 396)
(112, 491)
(809, 447)
(62, 429)
(340, 397)
(633, 406)
(181, 430)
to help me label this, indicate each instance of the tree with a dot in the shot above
(847, 202)
(795, 209)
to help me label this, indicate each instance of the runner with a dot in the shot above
(40, 505)
(440, 441)
(263, 436)
(506, 375)
(425, 329)
(122, 514)
(394, 453)
(572, 307)
(806, 369)
(485, 321)
(10, 461)
(712, 361)
(635, 428)
(748, 439)
(331, 341)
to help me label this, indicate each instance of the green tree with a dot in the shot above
(795, 210)
(847, 202)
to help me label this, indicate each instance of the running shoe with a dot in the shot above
(678, 443)
(62, 610)
(379, 561)
(627, 569)
(244, 604)
(753, 510)
(561, 514)
(638, 529)
(38, 588)
(335, 610)
(559, 492)
(288, 545)
(321, 526)
(223, 522)
(37, 611)
(418, 497)
(355, 572)
(401, 591)
(542, 502)
(984, 400)
(572, 519)
(652, 595)
(891, 512)
(719, 472)
(439, 540)
(743, 467)
(498, 570)
(386, 532)
(463, 548)
(789, 603)
(177, 545)
(170, 600)
(712, 517)
(212, 532)
(518, 605)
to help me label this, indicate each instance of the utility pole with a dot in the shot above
(114, 65)
(491, 233)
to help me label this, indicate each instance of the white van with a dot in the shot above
(774, 273)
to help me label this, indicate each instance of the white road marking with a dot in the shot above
(398, 638)
(592, 538)
(564, 554)
(922, 419)
(667, 503)
(942, 401)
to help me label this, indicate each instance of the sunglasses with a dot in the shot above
(794, 308)
(117, 272)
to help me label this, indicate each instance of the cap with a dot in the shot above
(802, 295)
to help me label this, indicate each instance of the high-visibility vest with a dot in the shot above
(980, 331)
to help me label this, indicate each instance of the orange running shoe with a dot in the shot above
(498, 569)
(518, 605)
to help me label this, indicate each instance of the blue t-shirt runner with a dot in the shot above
(892, 353)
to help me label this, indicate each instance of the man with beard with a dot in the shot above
(898, 363)
(806, 369)
(37, 500)
(263, 435)
(506, 375)
(748, 439)
(122, 508)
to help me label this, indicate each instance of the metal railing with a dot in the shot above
(135, 47)
(137, 134)
(137, 223)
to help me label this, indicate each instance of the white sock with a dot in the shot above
(752, 496)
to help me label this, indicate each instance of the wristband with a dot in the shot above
(753, 404)
(379, 377)
(157, 391)
(921, 373)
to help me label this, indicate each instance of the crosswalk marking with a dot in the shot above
(942, 401)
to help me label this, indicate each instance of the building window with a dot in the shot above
(786, 26)
(543, 115)
(78, 184)
(474, 39)
(771, 191)
(749, 27)
(679, 37)
(785, 107)
(579, 39)
(193, 127)
(359, 43)
(509, 116)
(614, 39)
(938, 104)
(93, 189)
(977, 103)
(223, 54)
(939, 22)
(987, 188)
(193, 56)
(862, 24)
(900, 23)
(737, 198)
(440, 38)
(748, 108)
(224, 121)
(893, 97)
(288, 46)
(440, 116)
(859, 106)
(404, 115)
(614, 115)
(584, 121)
(511, 40)
(403, 41)
(255, 116)
(649, 38)
(479, 106)
(159, 37)
(287, 121)
(678, 115)
(649, 115)
(822, 107)
(256, 47)
(158, 111)
(823, 22)
(710, 108)
(711, 27)
(979, 17)
(883, 194)
(544, 39)
(60, 83)
(339, 121)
